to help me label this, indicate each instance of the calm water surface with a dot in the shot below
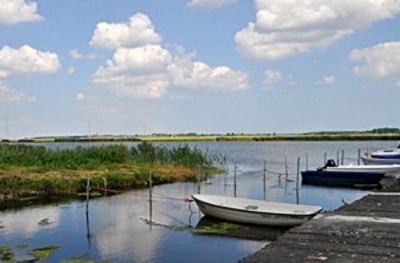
(117, 229)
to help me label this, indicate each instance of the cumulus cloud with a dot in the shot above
(143, 68)
(22, 61)
(198, 75)
(286, 28)
(16, 11)
(139, 31)
(26, 60)
(382, 60)
(136, 72)
(209, 3)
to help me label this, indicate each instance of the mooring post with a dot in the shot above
(337, 157)
(325, 157)
(298, 173)
(234, 182)
(150, 197)
(286, 169)
(342, 160)
(198, 180)
(87, 193)
(265, 180)
(359, 156)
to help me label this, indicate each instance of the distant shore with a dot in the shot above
(318, 136)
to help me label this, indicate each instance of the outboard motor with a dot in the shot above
(329, 163)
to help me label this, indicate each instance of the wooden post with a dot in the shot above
(150, 197)
(359, 156)
(198, 180)
(298, 180)
(337, 158)
(342, 160)
(87, 210)
(298, 173)
(286, 169)
(87, 193)
(265, 180)
(234, 182)
(325, 156)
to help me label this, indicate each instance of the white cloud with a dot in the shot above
(285, 28)
(146, 70)
(16, 11)
(382, 60)
(209, 3)
(26, 60)
(75, 54)
(136, 72)
(326, 80)
(198, 75)
(271, 78)
(139, 31)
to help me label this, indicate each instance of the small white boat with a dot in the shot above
(250, 211)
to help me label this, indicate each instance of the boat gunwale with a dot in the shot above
(302, 215)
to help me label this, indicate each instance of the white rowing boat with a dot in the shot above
(250, 211)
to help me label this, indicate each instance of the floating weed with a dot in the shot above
(21, 246)
(43, 252)
(45, 222)
(6, 253)
(217, 229)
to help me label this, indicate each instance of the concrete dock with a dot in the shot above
(367, 230)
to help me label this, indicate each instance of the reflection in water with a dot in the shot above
(28, 222)
(214, 226)
(115, 228)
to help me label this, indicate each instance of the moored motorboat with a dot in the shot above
(392, 170)
(348, 176)
(390, 153)
(369, 160)
(250, 211)
(342, 178)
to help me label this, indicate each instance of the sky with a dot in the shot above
(127, 67)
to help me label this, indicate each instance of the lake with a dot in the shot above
(117, 228)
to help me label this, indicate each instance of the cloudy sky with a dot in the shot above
(76, 67)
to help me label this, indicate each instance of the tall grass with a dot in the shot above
(27, 169)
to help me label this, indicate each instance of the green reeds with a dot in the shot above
(27, 170)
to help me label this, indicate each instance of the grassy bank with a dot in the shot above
(27, 170)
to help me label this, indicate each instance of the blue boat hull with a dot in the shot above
(340, 178)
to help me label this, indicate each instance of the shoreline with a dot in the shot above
(318, 136)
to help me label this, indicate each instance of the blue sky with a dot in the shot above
(81, 67)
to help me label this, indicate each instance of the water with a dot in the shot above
(117, 229)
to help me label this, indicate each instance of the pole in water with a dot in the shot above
(234, 182)
(198, 180)
(298, 179)
(359, 157)
(265, 180)
(298, 173)
(150, 197)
